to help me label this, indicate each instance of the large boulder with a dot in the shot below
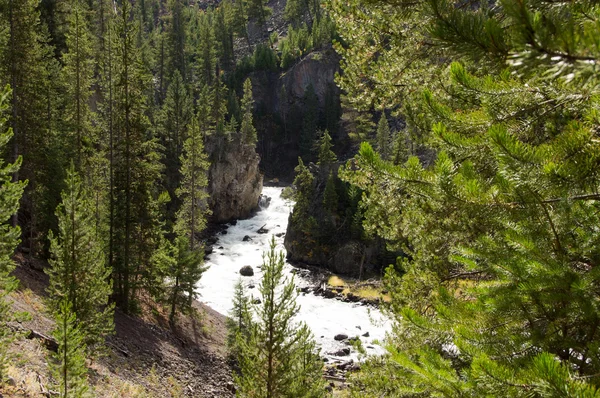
(246, 270)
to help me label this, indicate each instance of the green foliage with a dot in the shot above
(497, 292)
(78, 74)
(9, 237)
(330, 197)
(79, 275)
(135, 230)
(191, 217)
(258, 10)
(383, 137)
(247, 129)
(69, 368)
(279, 358)
(265, 58)
(184, 271)
(239, 322)
(326, 154)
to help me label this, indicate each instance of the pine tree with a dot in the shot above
(383, 137)
(326, 155)
(176, 39)
(400, 149)
(69, 368)
(135, 161)
(9, 236)
(206, 52)
(79, 275)
(176, 115)
(22, 66)
(277, 360)
(247, 129)
(191, 217)
(308, 373)
(258, 10)
(330, 197)
(78, 72)
(239, 321)
(187, 268)
(495, 292)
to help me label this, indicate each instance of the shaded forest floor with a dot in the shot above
(146, 358)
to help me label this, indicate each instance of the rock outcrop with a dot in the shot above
(234, 178)
(280, 107)
(333, 240)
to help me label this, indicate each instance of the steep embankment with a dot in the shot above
(145, 358)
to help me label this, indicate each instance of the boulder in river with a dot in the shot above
(344, 352)
(246, 270)
(246, 238)
(263, 230)
(340, 337)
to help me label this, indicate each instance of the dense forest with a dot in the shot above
(448, 148)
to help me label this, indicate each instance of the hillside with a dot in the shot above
(145, 357)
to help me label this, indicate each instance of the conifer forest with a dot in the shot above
(300, 198)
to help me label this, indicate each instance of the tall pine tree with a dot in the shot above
(79, 275)
(69, 368)
(10, 194)
(278, 359)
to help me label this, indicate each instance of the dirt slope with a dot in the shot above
(145, 357)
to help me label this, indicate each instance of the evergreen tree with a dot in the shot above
(496, 290)
(224, 33)
(176, 115)
(186, 270)
(277, 360)
(79, 275)
(247, 129)
(69, 368)
(9, 236)
(330, 198)
(239, 321)
(206, 52)
(135, 230)
(191, 218)
(176, 39)
(22, 66)
(400, 149)
(308, 373)
(383, 137)
(332, 110)
(258, 10)
(326, 155)
(78, 72)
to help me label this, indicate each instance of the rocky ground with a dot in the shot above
(145, 357)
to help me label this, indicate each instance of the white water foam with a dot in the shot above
(325, 317)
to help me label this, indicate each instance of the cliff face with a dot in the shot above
(281, 108)
(234, 179)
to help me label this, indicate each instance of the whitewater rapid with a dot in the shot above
(325, 317)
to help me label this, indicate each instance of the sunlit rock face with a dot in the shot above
(235, 181)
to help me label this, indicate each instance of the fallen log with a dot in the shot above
(49, 342)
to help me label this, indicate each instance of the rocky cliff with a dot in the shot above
(334, 238)
(280, 101)
(234, 181)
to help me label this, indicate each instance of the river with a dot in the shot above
(325, 317)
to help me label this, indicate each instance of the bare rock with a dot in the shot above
(340, 337)
(246, 270)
